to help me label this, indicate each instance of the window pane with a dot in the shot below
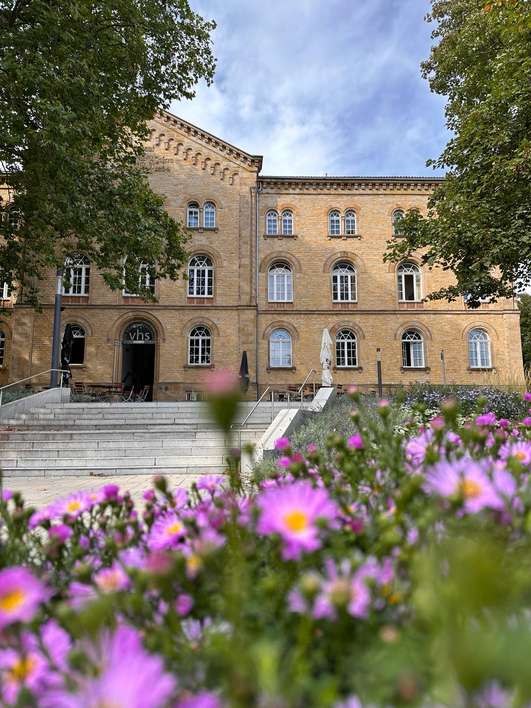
(272, 223)
(287, 223)
(192, 218)
(334, 223)
(209, 215)
(2, 347)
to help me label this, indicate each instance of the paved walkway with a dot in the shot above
(39, 491)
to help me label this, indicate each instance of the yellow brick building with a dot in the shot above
(272, 262)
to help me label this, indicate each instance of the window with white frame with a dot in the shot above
(209, 215)
(280, 354)
(479, 349)
(287, 222)
(5, 291)
(344, 283)
(146, 279)
(346, 349)
(78, 344)
(200, 346)
(280, 283)
(398, 217)
(412, 349)
(334, 223)
(408, 276)
(350, 222)
(76, 277)
(2, 346)
(272, 223)
(192, 215)
(200, 277)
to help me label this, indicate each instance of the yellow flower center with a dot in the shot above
(469, 489)
(175, 528)
(73, 506)
(520, 455)
(193, 563)
(20, 671)
(296, 521)
(110, 581)
(11, 601)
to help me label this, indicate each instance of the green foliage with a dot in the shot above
(479, 219)
(524, 305)
(79, 81)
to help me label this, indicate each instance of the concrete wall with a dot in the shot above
(51, 395)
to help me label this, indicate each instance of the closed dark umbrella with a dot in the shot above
(244, 373)
(66, 352)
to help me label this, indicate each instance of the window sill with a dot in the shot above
(480, 368)
(75, 299)
(199, 299)
(198, 366)
(339, 304)
(281, 368)
(415, 368)
(280, 236)
(78, 366)
(201, 229)
(333, 237)
(347, 368)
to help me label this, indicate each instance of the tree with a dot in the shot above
(78, 82)
(524, 305)
(478, 222)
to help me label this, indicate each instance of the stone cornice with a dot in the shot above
(221, 146)
(339, 184)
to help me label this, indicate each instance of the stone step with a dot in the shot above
(146, 450)
(109, 471)
(99, 424)
(72, 434)
(27, 444)
(143, 462)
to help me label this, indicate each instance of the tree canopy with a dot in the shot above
(524, 305)
(78, 82)
(479, 219)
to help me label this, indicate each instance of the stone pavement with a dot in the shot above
(40, 491)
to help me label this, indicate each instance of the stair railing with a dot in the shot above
(301, 389)
(33, 376)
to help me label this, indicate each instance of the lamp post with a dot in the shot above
(56, 339)
(379, 371)
(443, 366)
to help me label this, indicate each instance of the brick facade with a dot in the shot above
(188, 165)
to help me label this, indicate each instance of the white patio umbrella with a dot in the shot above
(326, 358)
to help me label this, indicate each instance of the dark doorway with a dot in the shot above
(138, 361)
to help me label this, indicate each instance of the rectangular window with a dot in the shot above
(346, 355)
(413, 355)
(280, 354)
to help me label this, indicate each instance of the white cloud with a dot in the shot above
(322, 87)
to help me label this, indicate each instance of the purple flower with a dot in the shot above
(527, 421)
(520, 451)
(211, 482)
(527, 396)
(21, 593)
(110, 491)
(73, 505)
(486, 419)
(167, 531)
(350, 702)
(292, 511)
(18, 669)
(282, 444)
(205, 699)
(183, 604)
(355, 442)
(112, 579)
(6, 495)
(60, 532)
(464, 478)
(416, 448)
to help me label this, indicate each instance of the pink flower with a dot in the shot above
(220, 382)
(292, 511)
(73, 505)
(20, 669)
(183, 604)
(486, 419)
(167, 532)
(21, 593)
(437, 423)
(519, 451)
(205, 699)
(282, 444)
(355, 442)
(60, 532)
(211, 482)
(527, 421)
(527, 396)
(112, 579)
(464, 478)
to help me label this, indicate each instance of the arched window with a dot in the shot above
(350, 223)
(280, 349)
(146, 279)
(78, 344)
(408, 275)
(280, 283)
(412, 349)
(200, 346)
(192, 215)
(334, 223)
(200, 277)
(2, 346)
(287, 222)
(76, 275)
(479, 349)
(398, 216)
(209, 215)
(271, 223)
(344, 283)
(346, 349)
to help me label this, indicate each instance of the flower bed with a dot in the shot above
(386, 572)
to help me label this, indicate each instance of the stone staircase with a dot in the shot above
(107, 439)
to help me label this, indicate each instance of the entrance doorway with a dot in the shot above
(138, 360)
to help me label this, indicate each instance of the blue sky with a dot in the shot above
(322, 86)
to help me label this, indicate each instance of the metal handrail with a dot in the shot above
(254, 407)
(33, 376)
(301, 389)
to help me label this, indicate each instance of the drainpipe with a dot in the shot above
(257, 190)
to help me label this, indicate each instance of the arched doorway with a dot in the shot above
(138, 359)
